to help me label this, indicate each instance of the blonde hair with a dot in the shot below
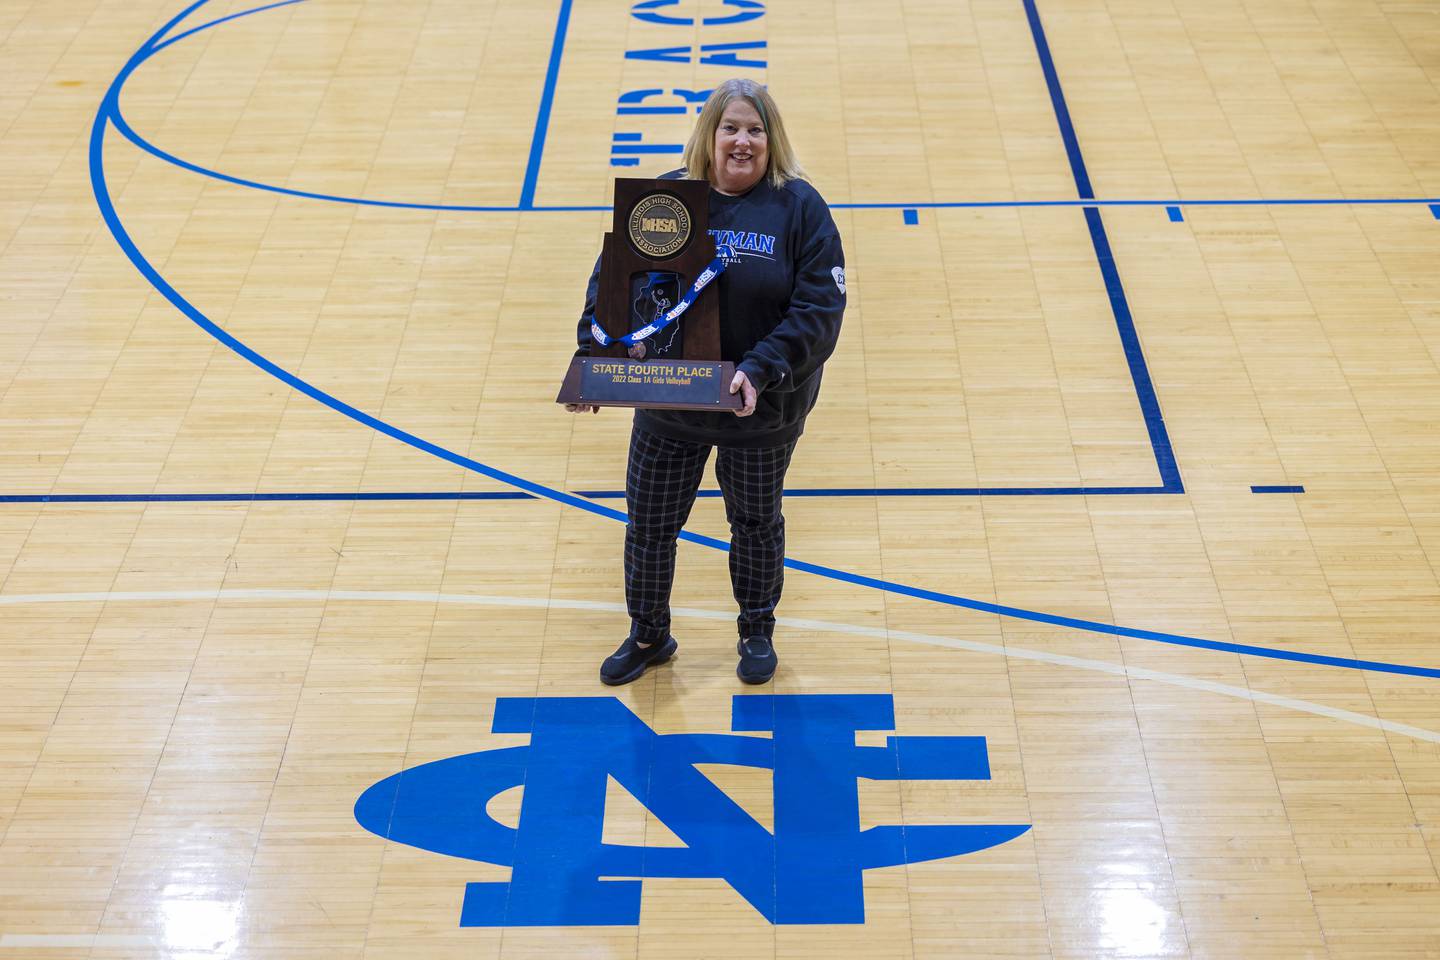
(782, 164)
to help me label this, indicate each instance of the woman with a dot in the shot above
(782, 297)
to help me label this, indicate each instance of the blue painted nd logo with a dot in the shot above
(809, 870)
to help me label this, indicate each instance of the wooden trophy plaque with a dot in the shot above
(659, 247)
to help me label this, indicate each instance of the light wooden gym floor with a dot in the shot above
(196, 691)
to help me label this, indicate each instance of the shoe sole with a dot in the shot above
(753, 681)
(634, 675)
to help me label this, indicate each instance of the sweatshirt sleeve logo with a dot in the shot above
(839, 274)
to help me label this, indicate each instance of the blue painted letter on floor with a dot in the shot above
(809, 870)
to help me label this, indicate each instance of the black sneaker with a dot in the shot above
(630, 660)
(757, 660)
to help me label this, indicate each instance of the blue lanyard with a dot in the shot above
(717, 267)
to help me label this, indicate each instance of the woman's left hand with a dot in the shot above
(742, 385)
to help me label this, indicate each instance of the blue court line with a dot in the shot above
(1135, 357)
(547, 100)
(864, 492)
(215, 23)
(160, 154)
(256, 497)
(1092, 202)
(105, 114)
(1119, 305)
(925, 492)
(1057, 102)
(1435, 210)
(1278, 489)
(1175, 215)
(911, 217)
(125, 130)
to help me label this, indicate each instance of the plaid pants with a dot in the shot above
(660, 484)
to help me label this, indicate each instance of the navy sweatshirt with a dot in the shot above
(782, 297)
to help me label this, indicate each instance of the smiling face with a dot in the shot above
(741, 151)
